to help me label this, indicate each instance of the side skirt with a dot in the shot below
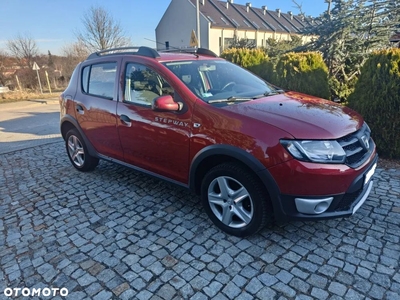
(113, 160)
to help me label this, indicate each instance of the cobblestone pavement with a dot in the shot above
(117, 234)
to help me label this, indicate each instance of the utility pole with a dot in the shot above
(198, 22)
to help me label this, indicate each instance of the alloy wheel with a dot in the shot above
(230, 202)
(76, 151)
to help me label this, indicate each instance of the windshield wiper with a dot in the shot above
(231, 99)
(273, 92)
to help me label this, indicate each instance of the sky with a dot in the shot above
(53, 23)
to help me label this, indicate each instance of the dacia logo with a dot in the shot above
(365, 142)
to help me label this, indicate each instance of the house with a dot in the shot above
(221, 22)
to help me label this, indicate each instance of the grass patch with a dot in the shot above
(26, 95)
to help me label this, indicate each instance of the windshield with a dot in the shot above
(212, 80)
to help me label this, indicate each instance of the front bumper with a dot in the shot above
(328, 206)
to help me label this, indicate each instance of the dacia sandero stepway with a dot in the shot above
(251, 150)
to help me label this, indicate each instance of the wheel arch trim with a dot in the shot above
(69, 119)
(246, 158)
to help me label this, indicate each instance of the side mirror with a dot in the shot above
(166, 103)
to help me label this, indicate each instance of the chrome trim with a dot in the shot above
(309, 206)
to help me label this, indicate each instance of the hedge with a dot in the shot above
(303, 72)
(255, 60)
(377, 98)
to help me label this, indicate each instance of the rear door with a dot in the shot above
(97, 103)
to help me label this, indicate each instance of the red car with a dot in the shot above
(250, 150)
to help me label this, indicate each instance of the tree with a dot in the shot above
(348, 33)
(101, 31)
(3, 60)
(24, 48)
(50, 60)
(73, 53)
(243, 43)
(275, 48)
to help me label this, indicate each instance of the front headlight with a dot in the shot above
(316, 151)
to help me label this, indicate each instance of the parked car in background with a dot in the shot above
(252, 151)
(4, 89)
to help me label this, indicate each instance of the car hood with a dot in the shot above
(302, 116)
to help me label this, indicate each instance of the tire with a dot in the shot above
(235, 199)
(78, 153)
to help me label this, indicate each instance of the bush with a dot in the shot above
(377, 98)
(255, 60)
(303, 72)
(340, 89)
(245, 57)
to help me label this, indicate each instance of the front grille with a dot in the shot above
(356, 151)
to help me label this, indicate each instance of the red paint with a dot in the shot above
(165, 137)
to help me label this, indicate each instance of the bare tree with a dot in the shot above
(24, 48)
(76, 50)
(101, 31)
(73, 53)
(3, 59)
(299, 7)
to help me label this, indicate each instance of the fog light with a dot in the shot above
(312, 206)
(321, 207)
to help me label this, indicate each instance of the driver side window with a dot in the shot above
(143, 84)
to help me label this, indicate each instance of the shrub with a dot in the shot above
(377, 98)
(255, 60)
(303, 72)
(245, 57)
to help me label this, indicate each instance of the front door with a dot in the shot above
(155, 141)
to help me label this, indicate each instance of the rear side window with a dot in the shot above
(99, 79)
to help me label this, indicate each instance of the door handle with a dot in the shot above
(80, 109)
(125, 120)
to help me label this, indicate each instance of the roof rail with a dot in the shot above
(201, 51)
(142, 50)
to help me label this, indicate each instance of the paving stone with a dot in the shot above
(319, 293)
(166, 292)
(231, 290)
(103, 295)
(337, 288)
(123, 235)
(86, 279)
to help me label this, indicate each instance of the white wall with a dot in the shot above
(177, 24)
(179, 20)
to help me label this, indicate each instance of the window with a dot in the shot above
(236, 23)
(142, 85)
(217, 79)
(256, 25)
(228, 42)
(247, 23)
(211, 19)
(225, 21)
(99, 80)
